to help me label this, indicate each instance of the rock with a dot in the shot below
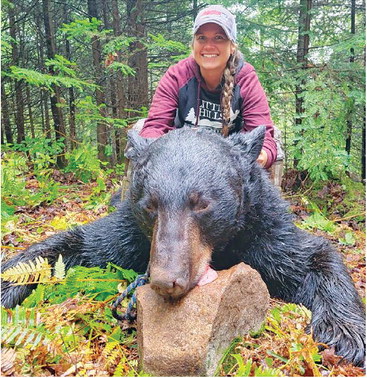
(188, 337)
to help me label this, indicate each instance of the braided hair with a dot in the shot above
(227, 91)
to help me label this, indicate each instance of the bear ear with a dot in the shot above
(136, 144)
(250, 143)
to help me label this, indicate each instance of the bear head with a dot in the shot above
(187, 192)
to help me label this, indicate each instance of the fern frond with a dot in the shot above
(19, 336)
(112, 353)
(59, 269)
(28, 273)
(120, 370)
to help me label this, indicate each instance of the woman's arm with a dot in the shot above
(256, 112)
(163, 108)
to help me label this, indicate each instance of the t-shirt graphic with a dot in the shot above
(210, 115)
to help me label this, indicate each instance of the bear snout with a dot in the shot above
(169, 285)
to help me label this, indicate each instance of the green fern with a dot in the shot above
(96, 283)
(120, 370)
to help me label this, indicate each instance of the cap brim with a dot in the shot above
(197, 27)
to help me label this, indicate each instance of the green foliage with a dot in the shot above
(14, 170)
(46, 81)
(89, 114)
(281, 348)
(12, 182)
(175, 50)
(20, 327)
(321, 136)
(317, 221)
(62, 65)
(119, 43)
(84, 28)
(244, 369)
(332, 87)
(42, 152)
(123, 68)
(348, 239)
(353, 203)
(139, 113)
(95, 283)
(84, 164)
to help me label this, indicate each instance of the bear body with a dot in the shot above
(197, 199)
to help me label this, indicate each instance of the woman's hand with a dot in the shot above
(263, 158)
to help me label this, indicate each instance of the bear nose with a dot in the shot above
(168, 287)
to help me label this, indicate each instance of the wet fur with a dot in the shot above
(248, 222)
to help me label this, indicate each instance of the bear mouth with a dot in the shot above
(209, 275)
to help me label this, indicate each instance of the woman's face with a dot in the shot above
(212, 48)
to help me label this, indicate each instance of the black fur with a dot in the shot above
(247, 221)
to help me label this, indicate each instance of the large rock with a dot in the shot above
(188, 337)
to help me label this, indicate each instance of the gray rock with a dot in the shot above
(188, 337)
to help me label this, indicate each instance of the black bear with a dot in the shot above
(196, 199)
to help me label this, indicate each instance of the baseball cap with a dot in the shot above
(220, 16)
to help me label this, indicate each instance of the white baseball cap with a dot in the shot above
(220, 16)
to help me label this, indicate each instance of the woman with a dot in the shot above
(213, 88)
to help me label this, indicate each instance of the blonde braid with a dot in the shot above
(227, 91)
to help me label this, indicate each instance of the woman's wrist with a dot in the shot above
(263, 158)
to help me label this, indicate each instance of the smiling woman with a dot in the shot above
(214, 88)
(211, 50)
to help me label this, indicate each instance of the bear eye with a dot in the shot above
(150, 205)
(198, 203)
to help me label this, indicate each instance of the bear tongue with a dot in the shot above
(208, 276)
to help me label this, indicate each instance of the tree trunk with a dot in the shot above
(44, 97)
(302, 51)
(19, 104)
(55, 98)
(194, 8)
(72, 108)
(5, 117)
(363, 153)
(350, 110)
(120, 134)
(102, 130)
(30, 114)
(138, 84)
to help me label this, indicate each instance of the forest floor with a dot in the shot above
(282, 348)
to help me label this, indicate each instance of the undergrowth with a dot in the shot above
(65, 327)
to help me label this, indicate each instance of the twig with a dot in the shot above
(348, 217)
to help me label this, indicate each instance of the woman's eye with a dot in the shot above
(221, 38)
